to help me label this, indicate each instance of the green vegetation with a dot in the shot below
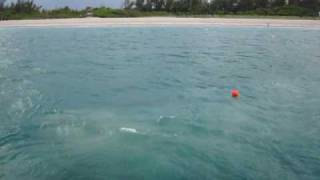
(230, 7)
(107, 12)
(27, 9)
(289, 10)
(63, 13)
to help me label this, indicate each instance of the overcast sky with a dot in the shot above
(79, 4)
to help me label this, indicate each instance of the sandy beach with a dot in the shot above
(162, 21)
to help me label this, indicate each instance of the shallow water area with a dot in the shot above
(155, 103)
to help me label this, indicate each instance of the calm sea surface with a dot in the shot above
(154, 103)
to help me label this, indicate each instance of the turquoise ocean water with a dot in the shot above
(154, 103)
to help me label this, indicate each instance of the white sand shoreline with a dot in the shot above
(161, 21)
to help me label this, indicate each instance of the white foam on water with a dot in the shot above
(165, 117)
(128, 130)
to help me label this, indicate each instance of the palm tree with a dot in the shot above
(25, 6)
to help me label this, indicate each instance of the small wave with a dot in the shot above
(128, 130)
(162, 118)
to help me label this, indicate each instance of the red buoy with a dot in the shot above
(235, 93)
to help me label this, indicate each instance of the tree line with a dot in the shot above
(21, 6)
(291, 7)
(27, 9)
